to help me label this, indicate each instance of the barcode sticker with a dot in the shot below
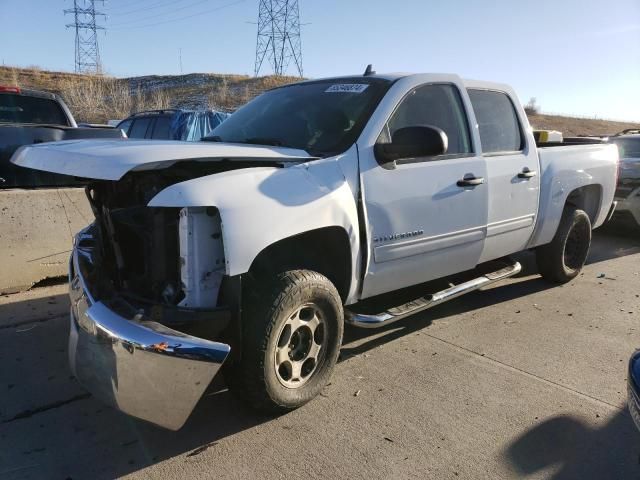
(347, 88)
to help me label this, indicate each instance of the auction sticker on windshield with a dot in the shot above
(347, 88)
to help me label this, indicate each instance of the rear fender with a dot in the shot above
(582, 175)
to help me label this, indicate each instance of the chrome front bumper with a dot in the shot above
(138, 366)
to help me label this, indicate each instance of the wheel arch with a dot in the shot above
(587, 198)
(326, 250)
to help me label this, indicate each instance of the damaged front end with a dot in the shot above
(149, 299)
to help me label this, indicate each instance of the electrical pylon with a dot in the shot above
(84, 22)
(279, 36)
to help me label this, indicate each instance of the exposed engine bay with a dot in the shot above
(168, 262)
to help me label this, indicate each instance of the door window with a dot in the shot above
(124, 126)
(161, 128)
(438, 105)
(139, 127)
(497, 121)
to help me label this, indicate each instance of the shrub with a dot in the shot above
(532, 108)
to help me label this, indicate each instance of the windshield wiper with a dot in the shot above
(212, 138)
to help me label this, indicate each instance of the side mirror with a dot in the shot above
(412, 142)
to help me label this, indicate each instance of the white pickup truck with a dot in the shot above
(253, 247)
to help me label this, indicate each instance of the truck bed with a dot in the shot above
(572, 141)
(564, 170)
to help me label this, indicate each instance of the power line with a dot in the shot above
(153, 5)
(181, 18)
(278, 36)
(199, 2)
(87, 53)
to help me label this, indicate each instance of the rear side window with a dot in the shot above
(139, 127)
(161, 128)
(497, 121)
(16, 108)
(438, 105)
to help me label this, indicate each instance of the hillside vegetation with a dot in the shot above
(98, 99)
(571, 126)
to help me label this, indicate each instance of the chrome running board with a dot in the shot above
(410, 308)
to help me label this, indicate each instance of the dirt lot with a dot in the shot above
(519, 380)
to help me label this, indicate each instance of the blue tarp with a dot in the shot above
(192, 126)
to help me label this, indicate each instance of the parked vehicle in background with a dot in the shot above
(628, 191)
(634, 387)
(254, 247)
(95, 125)
(29, 117)
(172, 124)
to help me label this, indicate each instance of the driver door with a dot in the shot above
(422, 222)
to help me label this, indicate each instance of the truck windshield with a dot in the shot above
(322, 117)
(15, 108)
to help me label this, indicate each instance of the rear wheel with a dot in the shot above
(292, 333)
(561, 260)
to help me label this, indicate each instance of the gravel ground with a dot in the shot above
(520, 380)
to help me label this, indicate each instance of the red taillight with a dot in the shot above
(9, 89)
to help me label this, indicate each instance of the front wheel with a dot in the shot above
(292, 333)
(561, 260)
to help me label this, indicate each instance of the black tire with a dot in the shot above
(561, 260)
(269, 308)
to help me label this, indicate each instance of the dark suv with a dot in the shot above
(172, 124)
(628, 190)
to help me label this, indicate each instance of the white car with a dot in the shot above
(254, 248)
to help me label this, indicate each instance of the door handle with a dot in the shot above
(470, 182)
(526, 173)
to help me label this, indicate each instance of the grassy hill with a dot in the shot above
(571, 126)
(98, 99)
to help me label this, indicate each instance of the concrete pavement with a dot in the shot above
(521, 380)
(36, 233)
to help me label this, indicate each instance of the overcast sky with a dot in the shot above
(577, 57)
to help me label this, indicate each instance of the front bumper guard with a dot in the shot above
(138, 366)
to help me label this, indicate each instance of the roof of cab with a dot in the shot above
(393, 76)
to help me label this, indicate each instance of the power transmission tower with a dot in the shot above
(84, 21)
(279, 36)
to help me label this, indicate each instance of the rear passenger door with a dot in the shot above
(512, 170)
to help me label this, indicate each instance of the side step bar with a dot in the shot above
(398, 313)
